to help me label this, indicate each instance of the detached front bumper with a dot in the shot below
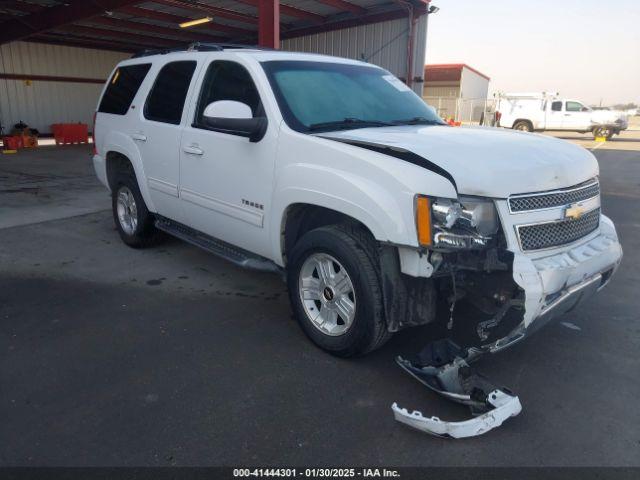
(555, 284)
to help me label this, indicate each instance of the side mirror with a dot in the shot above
(585, 109)
(234, 118)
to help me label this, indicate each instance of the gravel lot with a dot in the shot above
(171, 356)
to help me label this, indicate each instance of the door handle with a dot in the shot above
(139, 136)
(193, 150)
(567, 114)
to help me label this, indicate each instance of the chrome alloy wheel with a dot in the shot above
(127, 210)
(327, 294)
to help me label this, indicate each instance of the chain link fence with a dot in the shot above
(468, 111)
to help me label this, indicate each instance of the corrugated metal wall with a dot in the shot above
(42, 103)
(384, 44)
(452, 90)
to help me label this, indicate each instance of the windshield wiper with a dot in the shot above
(418, 121)
(349, 123)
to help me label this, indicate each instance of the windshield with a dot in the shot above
(319, 96)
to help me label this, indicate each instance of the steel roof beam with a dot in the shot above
(209, 10)
(269, 30)
(344, 6)
(100, 33)
(289, 11)
(20, 6)
(177, 19)
(149, 28)
(48, 18)
(347, 23)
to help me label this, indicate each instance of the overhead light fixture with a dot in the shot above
(198, 21)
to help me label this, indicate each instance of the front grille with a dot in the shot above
(555, 234)
(558, 198)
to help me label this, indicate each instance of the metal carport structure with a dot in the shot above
(36, 36)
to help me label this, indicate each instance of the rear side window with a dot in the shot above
(166, 100)
(574, 107)
(122, 88)
(556, 106)
(227, 81)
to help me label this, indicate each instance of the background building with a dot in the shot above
(457, 91)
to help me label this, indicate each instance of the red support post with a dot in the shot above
(269, 23)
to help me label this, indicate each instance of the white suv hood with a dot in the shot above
(488, 162)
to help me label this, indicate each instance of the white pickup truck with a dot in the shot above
(336, 174)
(541, 111)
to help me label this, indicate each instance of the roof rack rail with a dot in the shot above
(157, 51)
(218, 47)
(198, 47)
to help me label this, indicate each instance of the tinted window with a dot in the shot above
(122, 88)
(574, 107)
(556, 106)
(312, 94)
(227, 81)
(166, 100)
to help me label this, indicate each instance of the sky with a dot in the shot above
(583, 49)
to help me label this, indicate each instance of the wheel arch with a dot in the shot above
(400, 293)
(525, 120)
(300, 218)
(120, 151)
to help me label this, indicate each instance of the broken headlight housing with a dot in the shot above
(461, 224)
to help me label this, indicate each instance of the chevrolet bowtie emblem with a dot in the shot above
(575, 211)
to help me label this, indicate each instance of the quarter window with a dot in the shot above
(227, 81)
(123, 86)
(166, 100)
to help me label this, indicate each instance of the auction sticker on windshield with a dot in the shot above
(396, 83)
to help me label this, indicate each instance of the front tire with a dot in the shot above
(335, 292)
(603, 131)
(134, 222)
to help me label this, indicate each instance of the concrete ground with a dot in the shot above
(170, 356)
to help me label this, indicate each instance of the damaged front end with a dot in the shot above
(498, 277)
(442, 367)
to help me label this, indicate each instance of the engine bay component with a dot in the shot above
(442, 367)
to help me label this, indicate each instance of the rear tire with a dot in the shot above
(335, 292)
(523, 126)
(134, 222)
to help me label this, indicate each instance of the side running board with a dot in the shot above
(222, 249)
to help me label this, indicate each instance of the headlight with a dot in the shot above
(465, 223)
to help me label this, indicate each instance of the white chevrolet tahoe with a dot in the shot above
(335, 172)
(529, 112)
